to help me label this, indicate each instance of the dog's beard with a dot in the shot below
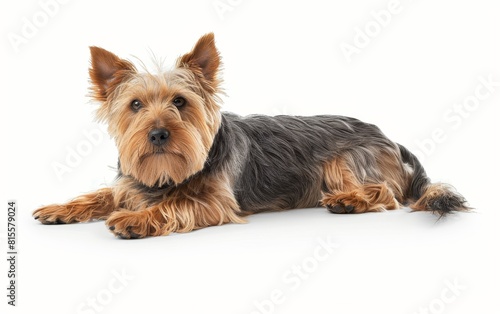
(178, 160)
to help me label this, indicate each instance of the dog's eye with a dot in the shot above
(179, 102)
(136, 105)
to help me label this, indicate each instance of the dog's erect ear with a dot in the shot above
(106, 72)
(203, 60)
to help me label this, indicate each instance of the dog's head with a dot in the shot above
(163, 124)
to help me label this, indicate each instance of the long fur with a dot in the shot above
(214, 168)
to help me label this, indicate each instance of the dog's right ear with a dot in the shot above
(106, 72)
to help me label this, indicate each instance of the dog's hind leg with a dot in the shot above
(358, 182)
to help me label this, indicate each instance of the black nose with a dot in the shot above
(158, 137)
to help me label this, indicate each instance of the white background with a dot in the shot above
(279, 57)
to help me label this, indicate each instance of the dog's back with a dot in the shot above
(286, 162)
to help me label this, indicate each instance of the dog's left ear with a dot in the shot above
(203, 60)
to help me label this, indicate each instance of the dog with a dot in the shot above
(185, 165)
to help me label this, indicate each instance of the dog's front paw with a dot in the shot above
(129, 224)
(53, 214)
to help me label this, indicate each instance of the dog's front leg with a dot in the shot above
(95, 205)
(202, 202)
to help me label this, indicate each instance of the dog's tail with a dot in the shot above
(439, 198)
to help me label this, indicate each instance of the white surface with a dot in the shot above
(280, 57)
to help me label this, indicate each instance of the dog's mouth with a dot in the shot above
(159, 153)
